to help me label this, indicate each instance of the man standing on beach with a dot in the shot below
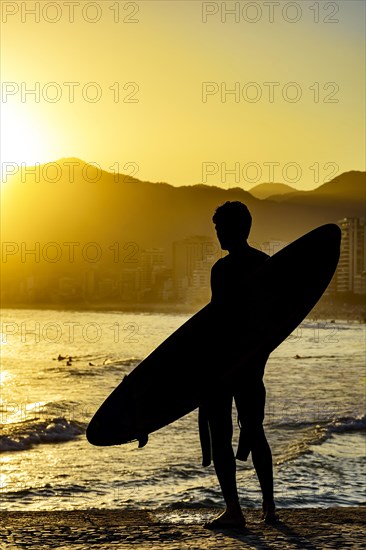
(232, 223)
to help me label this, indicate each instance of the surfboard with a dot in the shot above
(216, 344)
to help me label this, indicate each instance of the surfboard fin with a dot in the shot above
(143, 439)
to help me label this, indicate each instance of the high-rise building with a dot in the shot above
(192, 261)
(153, 261)
(351, 271)
(130, 284)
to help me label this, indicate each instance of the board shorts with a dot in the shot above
(215, 413)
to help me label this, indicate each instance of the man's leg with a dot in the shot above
(262, 461)
(219, 412)
(250, 405)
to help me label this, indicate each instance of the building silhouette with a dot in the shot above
(351, 271)
(193, 258)
(153, 262)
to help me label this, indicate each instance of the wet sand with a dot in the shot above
(314, 528)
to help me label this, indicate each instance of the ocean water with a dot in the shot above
(58, 366)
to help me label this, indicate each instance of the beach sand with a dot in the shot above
(314, 528)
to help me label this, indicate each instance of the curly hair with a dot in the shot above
(234, 214)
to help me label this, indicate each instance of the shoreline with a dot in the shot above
(181, 529)
(322, 311)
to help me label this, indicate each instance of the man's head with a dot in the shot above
(232, 223)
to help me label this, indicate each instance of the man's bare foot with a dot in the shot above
(269, 512)
(227, 520)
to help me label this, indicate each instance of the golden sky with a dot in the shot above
(149, 83)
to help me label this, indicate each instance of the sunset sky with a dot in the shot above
(167, 121)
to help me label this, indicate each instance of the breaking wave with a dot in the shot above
(315, 434)
(24, 435)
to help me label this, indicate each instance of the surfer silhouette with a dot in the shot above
(232, 223)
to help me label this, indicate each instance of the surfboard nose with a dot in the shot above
(335, 232)
(113, 428)
(96, 435)
(102, 433)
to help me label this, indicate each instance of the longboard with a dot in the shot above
(216, 344)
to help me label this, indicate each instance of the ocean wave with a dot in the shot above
(318, 434)
(25, 435)
(181, 472)
(11, 492)
(348, 424)
(341, 424)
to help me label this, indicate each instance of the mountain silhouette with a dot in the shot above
(267, 190)
(349, 187)
(103, 207)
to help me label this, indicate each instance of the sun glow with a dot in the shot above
(22, 137)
